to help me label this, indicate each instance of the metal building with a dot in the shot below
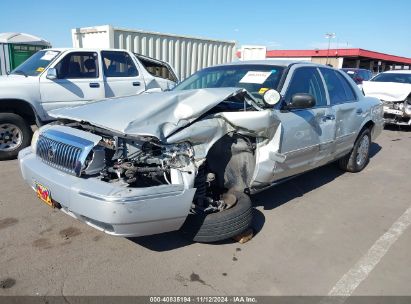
(15, 48)
(186, 54)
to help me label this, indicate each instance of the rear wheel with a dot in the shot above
(15, 134)
(359, 156)
(217, 226)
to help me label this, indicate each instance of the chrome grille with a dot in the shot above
(59, 155)
(65, 148)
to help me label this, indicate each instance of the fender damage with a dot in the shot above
(178, 116)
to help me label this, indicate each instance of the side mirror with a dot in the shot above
(51, 74)
(301, 101)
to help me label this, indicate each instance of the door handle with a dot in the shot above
(359, 111)
(136, 83)
(94, 85)
(328, 117)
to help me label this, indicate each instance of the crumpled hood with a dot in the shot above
(155, 114)
(388, 91)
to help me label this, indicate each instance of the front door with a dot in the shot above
(79, 81)
(306, 136)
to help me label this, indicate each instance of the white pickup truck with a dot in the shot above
(56, 78)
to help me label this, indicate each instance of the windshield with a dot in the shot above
(256, 79)
(393, 77)
(36, 63)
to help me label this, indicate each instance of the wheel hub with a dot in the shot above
(11, 137)
(362, 151)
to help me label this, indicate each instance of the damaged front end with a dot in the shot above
(396, 99)
(130, 182)
(130, 162)
(397, 112)
(124, 187)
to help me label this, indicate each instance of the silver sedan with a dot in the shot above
(188, 158)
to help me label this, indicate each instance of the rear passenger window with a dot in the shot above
(118, 64)
(339, 89)
(307, 80)
(157, 69)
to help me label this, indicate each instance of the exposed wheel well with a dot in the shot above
(19, 107)
(369, 125)
(232, 159)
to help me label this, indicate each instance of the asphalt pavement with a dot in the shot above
(324, 232)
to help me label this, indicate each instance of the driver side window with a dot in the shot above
(307, 80)
(78, 65)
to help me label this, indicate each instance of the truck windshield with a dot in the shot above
(36, 63)
(255, 78)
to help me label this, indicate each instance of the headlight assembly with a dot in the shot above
(34, 140)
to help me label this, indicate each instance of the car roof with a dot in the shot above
(355, 69)
(284, 63)
(82, 49)
(398, 72)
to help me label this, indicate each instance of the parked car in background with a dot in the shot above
(358, 75)
(56, 78)
(184, 159)
(393, 88)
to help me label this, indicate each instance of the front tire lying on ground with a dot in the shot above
(15, 134)
(213, 227)
(359, 156)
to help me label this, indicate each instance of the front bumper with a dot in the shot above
(111, 208)
(396, 116)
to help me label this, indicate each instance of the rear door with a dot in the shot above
(121, 76)
(347, 109)
(307, 137)
(79, 81)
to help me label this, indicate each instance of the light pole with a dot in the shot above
(329, 36)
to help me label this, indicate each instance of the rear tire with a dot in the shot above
(213, 227)
(359, 156)
(15, 134)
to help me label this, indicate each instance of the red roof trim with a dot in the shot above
(339, 53)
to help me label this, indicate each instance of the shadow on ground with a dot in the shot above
(268, 199)
(302, 184)
(397, 128)
(162, 242)
(174, 240)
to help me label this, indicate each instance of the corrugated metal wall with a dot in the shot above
(186, 54)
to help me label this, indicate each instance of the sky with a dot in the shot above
(383, 26)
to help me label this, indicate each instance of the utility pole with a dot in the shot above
(329, 36)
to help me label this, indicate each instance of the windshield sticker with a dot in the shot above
(40, 69)
(255, 77)
(49, 55)
(350, 72)
(262, 91)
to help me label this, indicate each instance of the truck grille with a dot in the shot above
(59, 155)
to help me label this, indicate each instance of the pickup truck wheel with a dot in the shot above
(359, 156)
(213, 227)
(15, 134)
